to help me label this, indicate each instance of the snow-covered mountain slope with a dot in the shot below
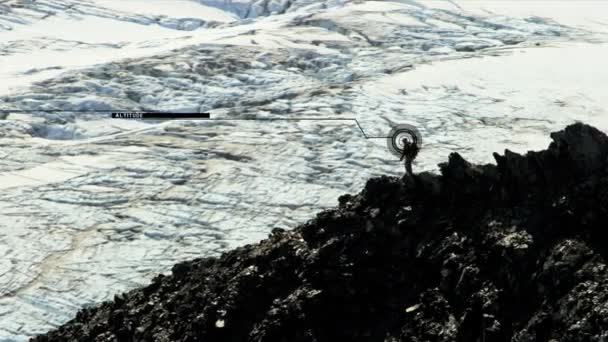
(92, 206)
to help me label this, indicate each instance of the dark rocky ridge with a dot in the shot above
(509, 252)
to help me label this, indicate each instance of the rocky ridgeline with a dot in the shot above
(507, 252)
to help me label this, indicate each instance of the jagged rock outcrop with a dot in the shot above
(509, 252)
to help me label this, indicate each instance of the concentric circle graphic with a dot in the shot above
(398, 133)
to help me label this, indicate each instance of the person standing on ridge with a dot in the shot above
(410, 151)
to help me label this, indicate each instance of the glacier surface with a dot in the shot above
(92, 206)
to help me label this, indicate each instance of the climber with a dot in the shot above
(410, 151)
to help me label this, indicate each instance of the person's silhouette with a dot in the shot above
(410, 151)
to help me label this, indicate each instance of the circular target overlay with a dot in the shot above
(400, 132)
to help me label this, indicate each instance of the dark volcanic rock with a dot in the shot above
(509, 252)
